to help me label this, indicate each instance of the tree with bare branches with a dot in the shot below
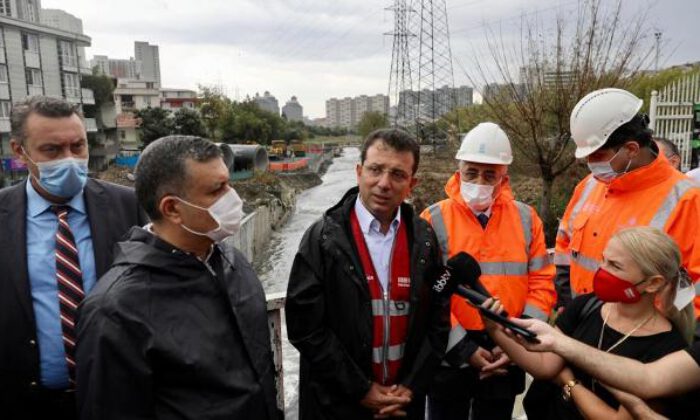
(541, 76)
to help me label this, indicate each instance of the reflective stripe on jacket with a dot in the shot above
(654, 195)
(511, 252)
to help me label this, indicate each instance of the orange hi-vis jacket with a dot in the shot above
(511, 252)
(654, 195)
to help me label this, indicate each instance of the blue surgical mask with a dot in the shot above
(63, 178)
(604, 172)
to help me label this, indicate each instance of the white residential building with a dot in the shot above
(36, 59)
(129, 97)
(348, 112)
(174, 99)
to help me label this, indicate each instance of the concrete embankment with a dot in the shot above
(270, 199)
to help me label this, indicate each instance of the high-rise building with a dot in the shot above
(446, 99)
(293, 110)
(149, 57)
(348, 112)
(36, 59)
(117, 67)
(145, 67)
(267, 102)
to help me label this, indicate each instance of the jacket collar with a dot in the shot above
(340, 237)
(655, 173)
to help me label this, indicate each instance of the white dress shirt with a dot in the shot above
(379, 245)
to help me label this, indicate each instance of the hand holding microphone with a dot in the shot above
(461, 276)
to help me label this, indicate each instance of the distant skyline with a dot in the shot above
(316, 49)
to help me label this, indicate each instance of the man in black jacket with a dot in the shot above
(360, 304)
(36, 348)
(177, 329)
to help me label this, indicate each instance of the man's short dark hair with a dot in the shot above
(636, 130)
(162, 168)
(670, 147)
(398, 140)
(43, 105)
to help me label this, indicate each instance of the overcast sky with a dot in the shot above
(316, 49)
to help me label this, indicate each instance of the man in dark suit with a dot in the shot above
(58, 230)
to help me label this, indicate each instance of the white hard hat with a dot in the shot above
(486, 143)
(598, 114)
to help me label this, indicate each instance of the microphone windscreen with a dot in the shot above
(465, 269)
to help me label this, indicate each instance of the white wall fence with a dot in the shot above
(671, 113)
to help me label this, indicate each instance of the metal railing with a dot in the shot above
(275, 304)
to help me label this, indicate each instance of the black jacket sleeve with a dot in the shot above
(114, 380)
(562, 284)
(304, 310)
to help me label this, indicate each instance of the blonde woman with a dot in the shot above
(620, 317)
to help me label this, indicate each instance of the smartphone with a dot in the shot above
(526, 334)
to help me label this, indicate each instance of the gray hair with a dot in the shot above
(41, 105)
(162, 169)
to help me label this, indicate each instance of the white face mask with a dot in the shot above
(685, 291)
(227, 211)
(478, 197)
(604, 172)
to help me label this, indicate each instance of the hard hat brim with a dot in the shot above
(582, 152)
(479, 158)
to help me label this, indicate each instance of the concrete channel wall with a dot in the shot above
(254, 236)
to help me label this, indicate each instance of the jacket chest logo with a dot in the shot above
(404, 281)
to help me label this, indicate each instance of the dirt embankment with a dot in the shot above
(259, 190)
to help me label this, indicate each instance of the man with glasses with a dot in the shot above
(361, 306)
(481, 217)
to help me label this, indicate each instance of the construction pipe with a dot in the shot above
(246, 157)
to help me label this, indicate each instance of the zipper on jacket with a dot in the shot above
(385, 357)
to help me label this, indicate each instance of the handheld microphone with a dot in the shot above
(476, 298)
(461, 277)
(461, 269)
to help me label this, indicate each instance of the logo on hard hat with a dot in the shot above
(482, 148)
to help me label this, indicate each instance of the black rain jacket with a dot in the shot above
(329, 317)
(164, 336)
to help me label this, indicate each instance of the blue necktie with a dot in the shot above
(483, 219)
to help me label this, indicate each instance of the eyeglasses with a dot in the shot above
(489, 177)
(396, 175)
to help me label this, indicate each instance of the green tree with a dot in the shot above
(215, 110)
(371, 121)
(155, 123)
(188, 122)
(101, 86)
(296, 130)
